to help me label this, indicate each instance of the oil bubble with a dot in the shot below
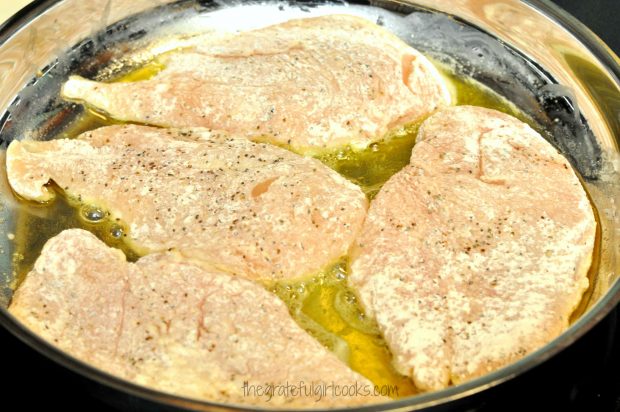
(341, 155)
(340, 271)
(116, 231)
(92, 214)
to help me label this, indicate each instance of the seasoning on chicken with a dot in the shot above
(477, 253)
(175, 327)
(311, 84)
(252, 209)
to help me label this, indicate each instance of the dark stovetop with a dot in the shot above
(601, 16)
(35, 383)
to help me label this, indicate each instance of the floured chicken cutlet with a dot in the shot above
(251, 209)
(173, 326)
(312, 83)
(477, 253)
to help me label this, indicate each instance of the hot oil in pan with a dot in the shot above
(37, 223)
(328, 310)
(372, 167)
(322, 304)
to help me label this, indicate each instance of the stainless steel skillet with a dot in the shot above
(522, 50)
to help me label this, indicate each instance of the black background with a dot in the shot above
(601, 16)
(30, 382)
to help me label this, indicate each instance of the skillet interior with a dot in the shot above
(38, 113)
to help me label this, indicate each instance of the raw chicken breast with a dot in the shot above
(477, 253)
(251, 209)
(311, 84)
(175, 327)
